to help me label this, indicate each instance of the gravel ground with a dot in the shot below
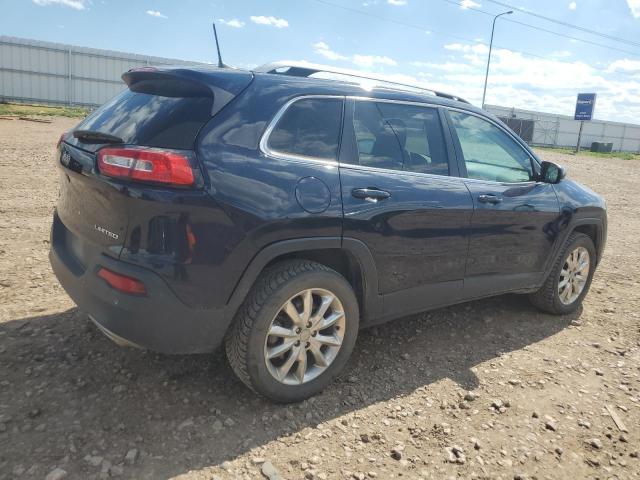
(490, 389)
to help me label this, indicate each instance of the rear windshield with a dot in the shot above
(151, 120)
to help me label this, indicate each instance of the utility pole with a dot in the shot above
(486, 76)
(579, 136)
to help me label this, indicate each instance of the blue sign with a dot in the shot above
(584, 106)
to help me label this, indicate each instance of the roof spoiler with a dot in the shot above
(306, 69)
(223, 85)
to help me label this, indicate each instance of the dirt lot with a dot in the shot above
(491, 389)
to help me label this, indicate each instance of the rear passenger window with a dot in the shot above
(309, 128)
(400, 137)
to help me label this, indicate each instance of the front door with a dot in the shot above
(511, 240)
(400, 201)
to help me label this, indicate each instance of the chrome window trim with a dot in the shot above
(264, 141)
(506, 184)
(509, 134)
(390, 100)
(353, 166)
(457, 109)
(392, 170)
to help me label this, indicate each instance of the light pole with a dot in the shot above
(486, 76)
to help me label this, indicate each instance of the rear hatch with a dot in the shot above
(161, 112)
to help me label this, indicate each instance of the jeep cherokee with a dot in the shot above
(279, 213)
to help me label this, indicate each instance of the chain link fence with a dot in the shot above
(53, 73)
(550, 130)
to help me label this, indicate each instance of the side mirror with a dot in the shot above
(552, 172)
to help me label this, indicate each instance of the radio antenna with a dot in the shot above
(221, 64)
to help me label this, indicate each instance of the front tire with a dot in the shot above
(294, 332)
(570, 277)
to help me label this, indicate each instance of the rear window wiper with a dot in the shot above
(95, 136)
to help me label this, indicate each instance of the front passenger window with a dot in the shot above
(489, 153)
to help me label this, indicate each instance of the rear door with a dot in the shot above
(510, 243)
(402, 200)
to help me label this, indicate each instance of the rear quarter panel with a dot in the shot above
(257, 192)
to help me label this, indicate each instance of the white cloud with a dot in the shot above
(475, 54)
(272, 21)
(234, 22)
(464, 4)
(75, 4)
(546, 85)
(368, 61)
(360, 60)
(397, 3)
(321, 48)
(156, 13)
(463, 47)
(625, 65)
(561, 54)
(573, 6)
(634, 6)
(443, 67)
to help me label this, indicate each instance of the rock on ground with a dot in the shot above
(484, 378)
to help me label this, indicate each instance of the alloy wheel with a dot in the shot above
(305, 336)
(573, 276)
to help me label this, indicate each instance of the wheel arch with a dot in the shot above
(594, 229)
(349, 257)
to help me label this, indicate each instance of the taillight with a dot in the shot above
(122, 282)
(146, 165)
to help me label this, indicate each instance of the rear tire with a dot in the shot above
(294, 332)
(570, 278)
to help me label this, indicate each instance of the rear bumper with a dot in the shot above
(157, 321)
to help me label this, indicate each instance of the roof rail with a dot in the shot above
(306, 69)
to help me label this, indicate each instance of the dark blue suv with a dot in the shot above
(280, 213)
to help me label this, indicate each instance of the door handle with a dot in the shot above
(370, 194)
(489, 198)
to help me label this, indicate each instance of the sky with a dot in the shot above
(439, 44)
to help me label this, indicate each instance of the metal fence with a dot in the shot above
(546, 129)
(54, 73)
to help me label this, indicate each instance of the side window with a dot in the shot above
(309, 128)
(400, 137)
(489, 153)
